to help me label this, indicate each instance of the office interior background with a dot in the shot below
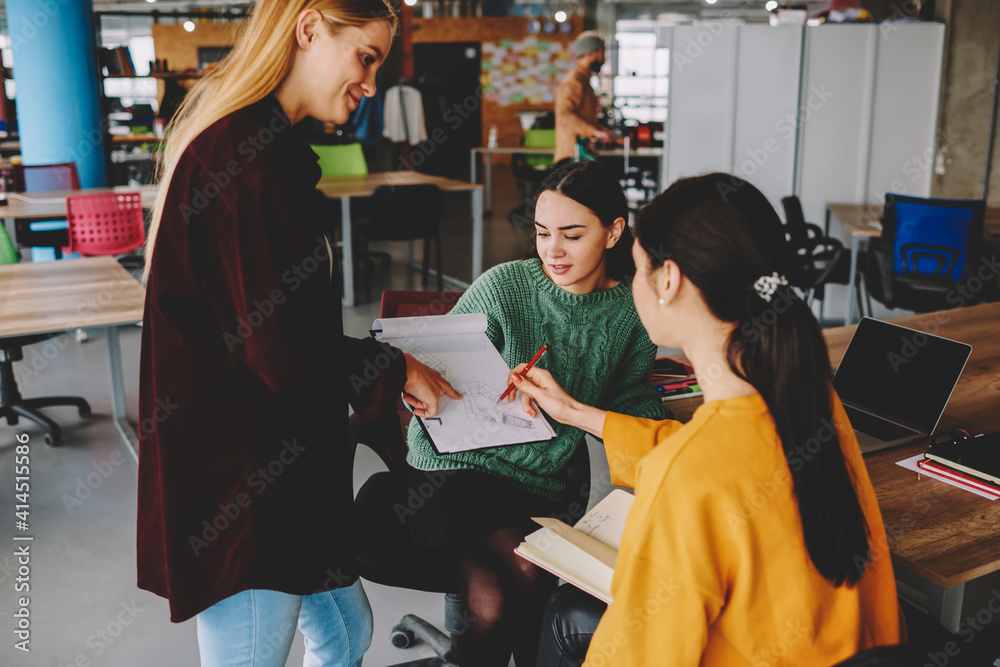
(902, 101)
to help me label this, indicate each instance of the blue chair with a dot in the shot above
(929, 254)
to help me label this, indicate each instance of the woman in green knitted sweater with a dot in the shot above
(571, 295)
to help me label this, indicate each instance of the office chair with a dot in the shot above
(13, 406)
(39, 178)
(345, 160)
(386, 554)
(819, 260)
(107, 224)
(404, 213)
(531, 170)
(901, 655)
(928, 254)
(341, 159)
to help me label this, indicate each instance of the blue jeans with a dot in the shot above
(255, 628)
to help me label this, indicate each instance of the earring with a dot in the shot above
(662, 302)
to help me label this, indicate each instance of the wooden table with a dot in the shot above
(52, 204)
(941, 537)
(91, 292)
(488, 152)
(864, 222)
(345, 187)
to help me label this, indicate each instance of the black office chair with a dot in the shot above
(928, 254)
(13, 406)
(386, 554)
(403, 213)
(819, 260)
(901, 655)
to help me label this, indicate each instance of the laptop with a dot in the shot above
(895, 382)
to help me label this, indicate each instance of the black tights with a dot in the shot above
(506, 597)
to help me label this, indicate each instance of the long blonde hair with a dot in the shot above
(257, 65)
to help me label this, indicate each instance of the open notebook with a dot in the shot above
(583, 555)
(457, 347)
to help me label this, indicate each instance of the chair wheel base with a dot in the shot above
(401, 637)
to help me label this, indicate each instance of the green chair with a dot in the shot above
(540, 139)
(529, 172)
(341, 160)
(8, 253)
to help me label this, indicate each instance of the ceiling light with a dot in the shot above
(771, 5)
(711, 2)
(189, 26)
(410, 3)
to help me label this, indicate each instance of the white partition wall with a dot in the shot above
(767, 100)
(835, 119)
(904, 119)
(832, 113)
(701, 104)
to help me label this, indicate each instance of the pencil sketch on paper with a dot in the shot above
(430, 360)
(480, 401)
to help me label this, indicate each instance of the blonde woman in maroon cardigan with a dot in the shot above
(245, 469)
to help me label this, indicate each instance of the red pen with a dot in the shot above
(534, 359)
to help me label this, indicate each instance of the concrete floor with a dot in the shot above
(86, 609)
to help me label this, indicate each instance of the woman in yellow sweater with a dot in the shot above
(755, 538)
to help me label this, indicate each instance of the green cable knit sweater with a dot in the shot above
(598, 351)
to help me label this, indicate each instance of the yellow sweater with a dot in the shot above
(713, 568)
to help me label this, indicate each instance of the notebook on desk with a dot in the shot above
(895, 382)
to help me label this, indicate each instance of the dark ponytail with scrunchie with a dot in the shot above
(724, 235)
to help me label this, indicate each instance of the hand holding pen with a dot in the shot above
(524, 371)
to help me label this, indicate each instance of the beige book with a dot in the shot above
(583, 555)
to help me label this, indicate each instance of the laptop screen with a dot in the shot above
(899, 374)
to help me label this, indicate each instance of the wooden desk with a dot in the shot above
(345, 187)
(863, 222)
(75, 293)
(52, 204)
(938, 534)
(488, 152)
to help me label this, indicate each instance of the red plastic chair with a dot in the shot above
(401, 303)
(105, 223)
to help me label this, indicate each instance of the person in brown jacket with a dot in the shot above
(576, 102)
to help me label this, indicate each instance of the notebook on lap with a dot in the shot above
(895, 382)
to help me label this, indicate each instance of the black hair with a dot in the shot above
(723, 234)
(595, 186)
